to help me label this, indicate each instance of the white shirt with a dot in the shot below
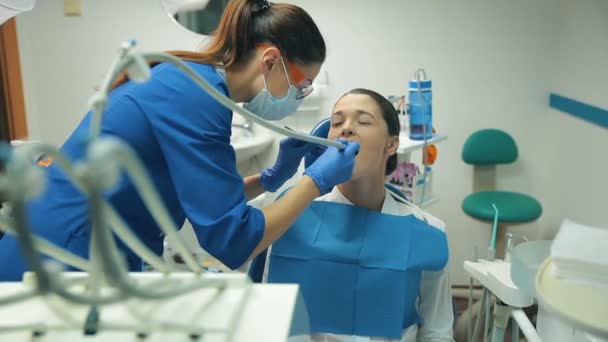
(434, 301)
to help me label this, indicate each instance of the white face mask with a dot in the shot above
(270, 108)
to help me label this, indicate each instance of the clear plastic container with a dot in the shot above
(421, 110)
(526, 259)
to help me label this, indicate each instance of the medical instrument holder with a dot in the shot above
(107, 273)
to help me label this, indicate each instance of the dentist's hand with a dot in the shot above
(333, 166)
(291, 152)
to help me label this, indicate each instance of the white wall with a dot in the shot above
(488, 61)
(63, 58)
(581, 52)
(493, 65)
(575, 151)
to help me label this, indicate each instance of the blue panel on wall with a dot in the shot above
(579, 109)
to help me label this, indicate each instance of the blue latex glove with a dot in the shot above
(321, 131)
(333, 166)
(311, 156)
(291, 152)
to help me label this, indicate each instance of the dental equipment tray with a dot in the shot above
(238, 312)
(496, 277)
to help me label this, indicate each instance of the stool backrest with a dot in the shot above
(489, 147)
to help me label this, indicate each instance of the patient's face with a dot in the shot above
(358, 117)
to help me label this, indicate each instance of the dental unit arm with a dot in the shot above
(107, 281)
(24, 181)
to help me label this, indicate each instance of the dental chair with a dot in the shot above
(256, 269)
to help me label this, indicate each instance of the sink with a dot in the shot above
(247, 144)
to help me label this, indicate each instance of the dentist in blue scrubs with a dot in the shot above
(264, 55)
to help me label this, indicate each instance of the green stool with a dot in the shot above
(485, 149)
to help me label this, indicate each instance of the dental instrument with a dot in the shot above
(492, 247)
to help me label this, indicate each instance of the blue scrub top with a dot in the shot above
(182, 135)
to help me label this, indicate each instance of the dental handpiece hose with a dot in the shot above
(137, 68)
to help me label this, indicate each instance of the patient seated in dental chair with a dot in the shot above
(370, 265)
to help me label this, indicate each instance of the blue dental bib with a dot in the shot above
(359, 270)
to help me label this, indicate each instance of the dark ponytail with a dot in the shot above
(390, 117)
(248, 23)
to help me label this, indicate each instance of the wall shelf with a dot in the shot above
(407, 145)
(424, 204)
